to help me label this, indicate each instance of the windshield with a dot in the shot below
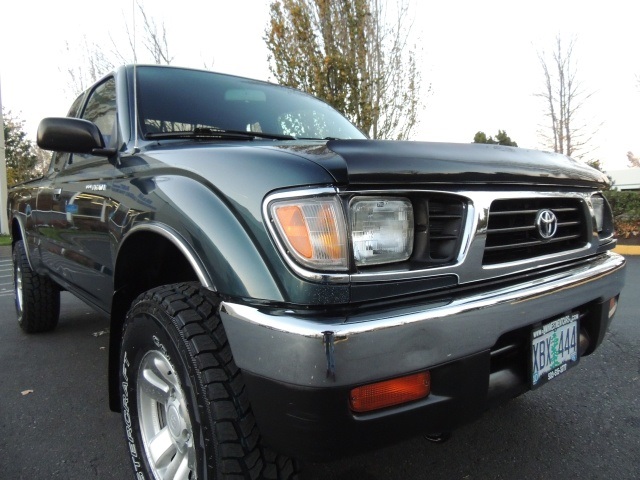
(172, 100)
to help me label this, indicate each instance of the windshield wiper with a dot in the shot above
(270, 136)
(209, 133)
(315, 138)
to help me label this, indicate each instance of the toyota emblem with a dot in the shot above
(546, 223)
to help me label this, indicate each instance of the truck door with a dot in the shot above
(76, 247)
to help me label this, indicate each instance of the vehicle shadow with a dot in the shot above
(486, 442)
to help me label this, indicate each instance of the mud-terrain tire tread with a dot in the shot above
(40, 295)
(195, 315)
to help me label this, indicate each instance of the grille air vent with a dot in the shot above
(445, 228)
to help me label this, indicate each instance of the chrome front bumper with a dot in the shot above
(347, 350)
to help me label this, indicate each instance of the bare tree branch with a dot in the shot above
(564, 100)
(634, 161)
(96, 61)
(154, 41)
(93, 65)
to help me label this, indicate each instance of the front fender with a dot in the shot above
(215, 238)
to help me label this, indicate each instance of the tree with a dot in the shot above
(96, 61)
(24, 160)
(481, 137)
(564, 100)
(4, 223)
(345, 53)
(155, 40)
(501, 139)
(634, 161)
(597, 164)
(43, 160)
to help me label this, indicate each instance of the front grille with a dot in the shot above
(512, 233)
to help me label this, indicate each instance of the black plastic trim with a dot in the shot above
(317, 424)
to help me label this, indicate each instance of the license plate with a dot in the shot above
(554, 348)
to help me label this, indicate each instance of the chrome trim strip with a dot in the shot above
(182, 245)
(286, 347)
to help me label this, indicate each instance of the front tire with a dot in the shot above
(37, 297)
(185, 410)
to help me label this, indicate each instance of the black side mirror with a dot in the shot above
(71, 135)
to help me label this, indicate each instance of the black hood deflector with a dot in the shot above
(393, 162)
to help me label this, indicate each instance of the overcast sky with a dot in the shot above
(479, 57)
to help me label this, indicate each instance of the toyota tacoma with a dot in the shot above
(281, 287)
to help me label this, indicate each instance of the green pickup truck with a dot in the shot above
(280, 287)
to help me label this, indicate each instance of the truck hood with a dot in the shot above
(377, 162)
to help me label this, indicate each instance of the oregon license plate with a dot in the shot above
(554, 348)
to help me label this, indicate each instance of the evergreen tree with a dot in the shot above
(501, 139)
(20, 153)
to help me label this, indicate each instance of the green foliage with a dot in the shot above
(501, 139)
(24, 160)
(5, 240)
(625, 206)
(595, 164)
(343, 52)
(481, 137)
(598, 166)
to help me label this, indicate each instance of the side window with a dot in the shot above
(74, 111)
(101, 109)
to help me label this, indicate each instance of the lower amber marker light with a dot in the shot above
(390, 392)
(613, 306)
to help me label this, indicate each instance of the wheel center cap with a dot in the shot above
(175, 422)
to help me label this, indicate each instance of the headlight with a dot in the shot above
(597, 203)
(313, 230)
(381, 230)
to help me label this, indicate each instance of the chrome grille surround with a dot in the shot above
(467, 260)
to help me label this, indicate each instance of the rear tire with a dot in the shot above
(184, 405)
(37, 297)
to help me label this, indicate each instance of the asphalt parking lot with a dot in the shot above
(55, 422)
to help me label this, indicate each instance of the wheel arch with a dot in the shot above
(213, 246)
(149, 256)
(155, 232)
(18, 232)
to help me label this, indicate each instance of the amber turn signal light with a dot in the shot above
(390, 392)
(295, 228)
(313, 231)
